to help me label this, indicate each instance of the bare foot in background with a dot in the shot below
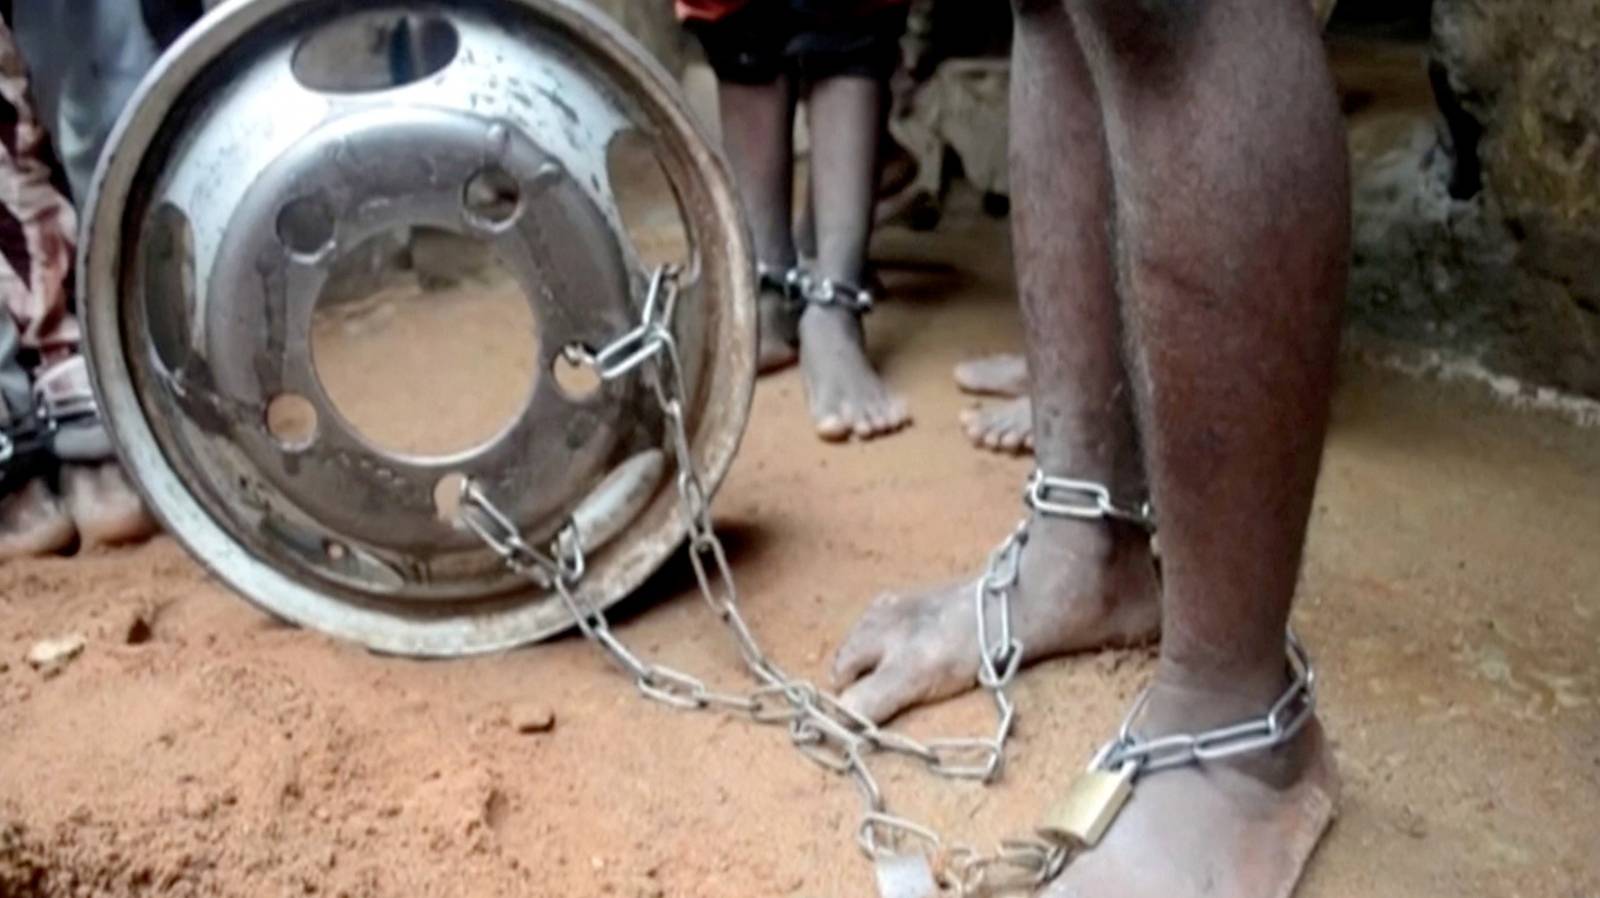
(779, 333)
(1001, 374)
(1002, 426)
(998, 426)
(104, 505)
(848, 398)
(33, 522)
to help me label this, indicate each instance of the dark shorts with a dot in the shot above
(769, 39)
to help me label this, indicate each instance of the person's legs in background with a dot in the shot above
(762, 55)
(846, 63)
(32, 520)
(44, 374)
(85, 58)
(847, 396)
(757, 133)
(756, 97)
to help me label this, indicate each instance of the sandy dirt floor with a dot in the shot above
(197, 747)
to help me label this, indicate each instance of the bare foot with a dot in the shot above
(1244, 828)
(104, 505)
(1005, 426)
(32, 522)
(779, 332)
(847, 396)
(1003, 374)
(1084, 584)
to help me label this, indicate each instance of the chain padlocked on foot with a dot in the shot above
(1081, 819)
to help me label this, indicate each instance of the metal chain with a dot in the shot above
(820, 726)
(23, 439)
(1085, 499)
(802, 288)
(1282, 722)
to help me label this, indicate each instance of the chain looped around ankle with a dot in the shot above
(1065, 497)
(800, 288)
(1283, 721)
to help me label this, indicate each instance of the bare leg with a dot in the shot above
(805, 230)
(847, 396)
(758, 131)
(38, 228)
(1084, 584)
(1232, 219)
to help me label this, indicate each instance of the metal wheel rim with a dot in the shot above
(722, 261)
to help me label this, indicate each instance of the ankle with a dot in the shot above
(830, 318)
(1174, 708)
(1100, 542)
(1186, 697)
(1093, 577)
(1089, 452)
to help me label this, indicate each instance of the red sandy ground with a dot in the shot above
(1450, 597)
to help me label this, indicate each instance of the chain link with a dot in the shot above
(1085, 499)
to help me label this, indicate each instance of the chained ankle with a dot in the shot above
(1091, 806)
(801, 289)
(1065, 497)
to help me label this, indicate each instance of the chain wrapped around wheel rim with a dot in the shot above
(231, 190)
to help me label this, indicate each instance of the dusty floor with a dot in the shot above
(1450, 596)
(199, 748)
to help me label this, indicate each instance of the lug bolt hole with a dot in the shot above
(447, 498)
(305, 227)
(575, 374)
(492, 198)
(292, 421)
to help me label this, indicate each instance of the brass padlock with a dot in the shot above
(1089, 808)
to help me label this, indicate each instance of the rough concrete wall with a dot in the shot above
(1486, 238)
